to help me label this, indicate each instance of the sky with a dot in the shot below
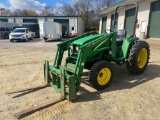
(36, 5)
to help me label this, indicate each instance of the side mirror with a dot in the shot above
(137, 21)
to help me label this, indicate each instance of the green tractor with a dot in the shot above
(96, 52)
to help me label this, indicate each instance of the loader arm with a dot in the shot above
(81, 49)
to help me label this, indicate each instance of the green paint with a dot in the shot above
(82, 51)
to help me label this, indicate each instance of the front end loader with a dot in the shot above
(95, 52)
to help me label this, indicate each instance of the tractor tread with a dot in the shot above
(94, 71)
(133, 55)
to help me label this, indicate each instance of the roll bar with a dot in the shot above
(135, 21)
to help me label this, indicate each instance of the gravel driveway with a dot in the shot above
(130, 97)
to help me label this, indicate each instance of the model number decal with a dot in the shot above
(97, 41)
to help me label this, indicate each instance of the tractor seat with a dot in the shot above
(120, 35)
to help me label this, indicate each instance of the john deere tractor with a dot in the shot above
(96, 52)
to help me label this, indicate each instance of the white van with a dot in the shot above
(50, 30)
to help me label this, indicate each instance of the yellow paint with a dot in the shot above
(142, 58)
(104, 76)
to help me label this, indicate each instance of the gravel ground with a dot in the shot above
(133, 97)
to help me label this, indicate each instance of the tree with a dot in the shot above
(5, 12)
(32, 13)
(87, 9)
(102, 4)
(17, 12)
(82, 8)
(47, 11)
(68, 10)
(107, 3)
(24, 13)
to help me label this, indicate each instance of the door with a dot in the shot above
(154, 25)
(129, 21)
(64, 23)
(112, 22)
(73, 30)
(104, 24)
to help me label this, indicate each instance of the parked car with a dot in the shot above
(4, 32)
(20, 34)
(6, 28)
(34, 27)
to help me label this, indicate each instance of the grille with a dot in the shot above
(16, 35)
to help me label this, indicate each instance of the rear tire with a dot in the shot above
(31, 38)
(138, 57)
(101, 74)
(6, 36)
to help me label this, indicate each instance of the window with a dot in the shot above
(7, 29)
(72, 28)
(2, 29)
(10, 29)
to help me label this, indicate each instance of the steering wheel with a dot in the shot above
(108, 31)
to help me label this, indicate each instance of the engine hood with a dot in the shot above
(87, 39)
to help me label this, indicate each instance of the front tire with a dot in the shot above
(31, 38)
(138, 57)
(101, 74)
(26, 39)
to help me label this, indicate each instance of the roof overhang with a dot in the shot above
(113, 7)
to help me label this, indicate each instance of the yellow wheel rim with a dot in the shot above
(104, 76)
(142, 58)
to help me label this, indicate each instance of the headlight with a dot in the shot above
(77, 48)
(71, 47)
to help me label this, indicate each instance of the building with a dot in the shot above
(148, 18)
(72, 24)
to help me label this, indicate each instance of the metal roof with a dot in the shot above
(113, 7)
(40, 16)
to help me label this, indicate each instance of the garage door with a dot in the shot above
(4, 19)
(154, 29)
(104, 24)
(64, 23)
(30, 21)
(112, 21)
(129, 21)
